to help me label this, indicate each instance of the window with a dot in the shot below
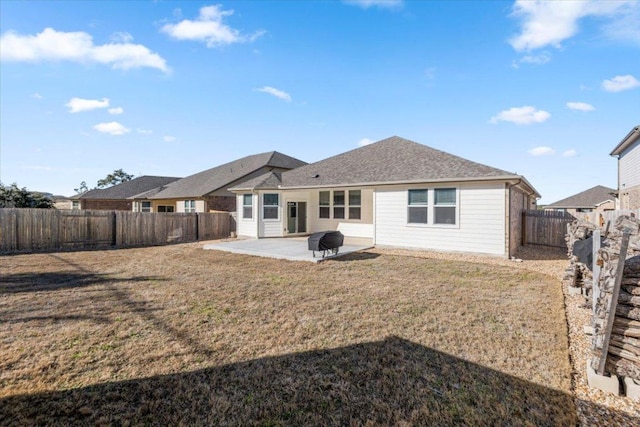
(247, 206)
(189, 206)
(444, 206)
(270, 206)
(354, 204)
(338, 204)
(418, 206)
(167, 209)
(145, 206)
(75, 204)
(324, 202)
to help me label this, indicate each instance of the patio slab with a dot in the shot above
(291, 248)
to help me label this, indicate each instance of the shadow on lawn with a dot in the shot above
(389, 382)
(355, 256)
(40, 282)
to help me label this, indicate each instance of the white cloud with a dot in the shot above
(77, 105)
(275, 92)
(121, 37)
(112, 128)
(144, 131)
(539, 59)
(168, 138)
(383, 4)
(620, 83)
(115, 111)
(36, 95)
(209, 27)
(521, 116)
(52, 45)
(580, 106)
(570, 153)
(364, 141)
(548, 23)
(542, 151)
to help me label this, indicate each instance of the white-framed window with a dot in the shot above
(145, 206)
(189, 206)
(75, 205)
(444, 206)
(355, 204)
(271, 206)
(338, 204)
(325, 204)
(418, 206)
(247, 206)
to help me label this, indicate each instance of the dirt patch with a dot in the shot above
(177, 334)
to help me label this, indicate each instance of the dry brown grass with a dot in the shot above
(180, 335)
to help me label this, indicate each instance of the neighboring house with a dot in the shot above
(118, 196)
(393, 192)
(207, 190)
(62, 202)
(628, 153)
(596, 199)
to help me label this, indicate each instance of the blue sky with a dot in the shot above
(543, 89)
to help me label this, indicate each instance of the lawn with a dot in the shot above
(178, 335)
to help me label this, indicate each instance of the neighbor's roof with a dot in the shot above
(587, 199)
(266, 181)
(627, 141)
(127, 189)
(389, 161)
(203, 183)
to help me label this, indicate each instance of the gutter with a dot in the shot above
(627, 141)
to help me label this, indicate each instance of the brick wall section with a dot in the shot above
(221, 203)
(630, 198)
(106, 205)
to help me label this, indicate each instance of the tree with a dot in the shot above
(15, 197)
(117, 177)
(82, 189)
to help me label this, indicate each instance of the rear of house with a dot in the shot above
(628, 154)
(394, 193)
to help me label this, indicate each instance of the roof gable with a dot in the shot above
(205, 182)
(127, 189)
(627, 142)
(391, 160)
(587, 199)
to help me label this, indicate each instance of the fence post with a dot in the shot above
(114, 224)
(523, 214)
(197, 226)
(595, 289)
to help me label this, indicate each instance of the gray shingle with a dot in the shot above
(205, 182)
(587, 199)
(266, 181)
(127, 189)
(390, 160)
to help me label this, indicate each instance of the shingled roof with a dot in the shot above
(127, 189)
(220, 177)
(391, 160)
(587, 199)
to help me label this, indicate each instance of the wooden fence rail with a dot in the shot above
(545, 228)
(32, 230)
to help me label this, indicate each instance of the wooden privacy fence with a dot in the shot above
(545, 228)
(31, 230)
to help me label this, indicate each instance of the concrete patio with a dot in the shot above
(289, 248)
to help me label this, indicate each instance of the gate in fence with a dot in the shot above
(545, 228)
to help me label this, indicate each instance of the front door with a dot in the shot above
(296, 217)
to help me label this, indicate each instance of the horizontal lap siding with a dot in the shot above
(350, 228)
(247, 227)
(630, 167)
(481, 225)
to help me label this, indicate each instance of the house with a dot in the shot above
(596, 199)
(118, 196)
(207, 190)
(64, 202)
(394, 192)
(628, 153)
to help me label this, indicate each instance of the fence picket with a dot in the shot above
(49, 229)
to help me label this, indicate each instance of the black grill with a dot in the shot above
(327, 242)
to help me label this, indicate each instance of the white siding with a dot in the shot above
(271, 227)
(629, 164)
(349, 227)
(244, 226)
(481, 226)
